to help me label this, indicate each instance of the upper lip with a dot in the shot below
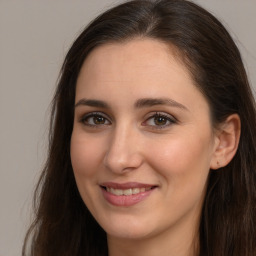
(126, 185)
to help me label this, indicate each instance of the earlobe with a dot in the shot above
(227, 140)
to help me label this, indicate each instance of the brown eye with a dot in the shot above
(95, 119)
(160, 120)
(99, 120)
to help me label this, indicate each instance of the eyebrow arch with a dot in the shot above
(92, 103)
(140, 103)
(149, 102)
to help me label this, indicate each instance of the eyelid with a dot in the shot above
(93, 114)
(170, 118)
(161, 113)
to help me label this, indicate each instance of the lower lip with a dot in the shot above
(126, 200)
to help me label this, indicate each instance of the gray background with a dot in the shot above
(34, 37)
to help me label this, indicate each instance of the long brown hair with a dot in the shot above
(63, 225)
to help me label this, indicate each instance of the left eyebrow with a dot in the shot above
(149, 102)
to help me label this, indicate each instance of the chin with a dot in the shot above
(127, 229)
(128, 234)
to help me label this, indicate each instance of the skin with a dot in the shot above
(127, 143)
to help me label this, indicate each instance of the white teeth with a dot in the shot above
(118, 192)
(135, 190)
(126, 192)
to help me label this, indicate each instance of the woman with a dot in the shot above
(152, 140)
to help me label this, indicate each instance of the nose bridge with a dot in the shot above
(123, 153)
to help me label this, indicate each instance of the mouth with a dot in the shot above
(126, 194)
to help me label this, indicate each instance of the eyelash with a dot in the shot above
(170, 120)
(86, 117)
(167, 118)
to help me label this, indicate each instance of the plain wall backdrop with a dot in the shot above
(34, 38)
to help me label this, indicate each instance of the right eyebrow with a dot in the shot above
(92, 103)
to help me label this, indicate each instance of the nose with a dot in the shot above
(124, 151)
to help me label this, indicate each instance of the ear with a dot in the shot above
(226, 141)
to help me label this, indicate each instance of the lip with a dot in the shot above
(126, 185)
(126, 200)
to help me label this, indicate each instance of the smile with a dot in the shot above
(126, 192)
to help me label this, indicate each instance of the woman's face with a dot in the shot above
(142, 141)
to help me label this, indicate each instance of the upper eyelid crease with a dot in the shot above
(167, 116)
(94, 114)
(91, 114)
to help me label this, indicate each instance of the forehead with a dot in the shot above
(151, 53)
(139, 68)
(137, 58)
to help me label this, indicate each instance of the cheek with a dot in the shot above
(85, 155)
(182, 160)
(84, 158)
(183, 167)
